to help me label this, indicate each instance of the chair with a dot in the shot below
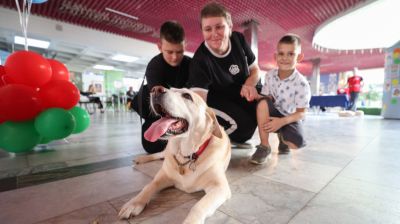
(84, 102)
(112, 103)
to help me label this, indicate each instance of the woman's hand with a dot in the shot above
(249, 92)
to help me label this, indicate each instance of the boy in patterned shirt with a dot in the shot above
(285, 96)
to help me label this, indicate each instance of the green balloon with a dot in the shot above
(55, 123)
(45, 140)
(18, 136)
(82, 119)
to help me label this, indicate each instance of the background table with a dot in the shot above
(329, 101)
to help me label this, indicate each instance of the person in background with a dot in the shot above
(224, 72)
(93, 99)
(130, 94)
(355, 83)
(285, 96)
(168, 69)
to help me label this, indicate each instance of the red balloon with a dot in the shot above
(60, 72)
(28, 68)
(6, 79)
(19, 102)
(59, 93)
(2, 73)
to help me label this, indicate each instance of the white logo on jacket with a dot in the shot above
(234, 69)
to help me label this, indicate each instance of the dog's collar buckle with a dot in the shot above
(192, 158)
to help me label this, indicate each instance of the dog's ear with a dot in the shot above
(216, 128)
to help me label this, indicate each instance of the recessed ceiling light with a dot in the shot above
(32, 42)
(103, 67)
(122, 13)
(124, 58)
(366, 27)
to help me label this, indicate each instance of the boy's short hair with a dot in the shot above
(172, 32)
(291, 38)
(214, 9)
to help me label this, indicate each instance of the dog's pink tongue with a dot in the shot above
(158, 128)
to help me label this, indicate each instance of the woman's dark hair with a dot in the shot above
(216, 10)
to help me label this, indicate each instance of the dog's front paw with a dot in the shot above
(131, 208)
(141, 159)
(193, 220)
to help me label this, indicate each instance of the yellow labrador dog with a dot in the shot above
(196, 157)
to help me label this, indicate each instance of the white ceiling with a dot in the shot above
(79, 48)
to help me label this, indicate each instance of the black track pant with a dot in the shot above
(353, 101)
(95, 99)
(151, 147)
(237, 116)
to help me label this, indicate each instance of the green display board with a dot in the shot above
(113, 81)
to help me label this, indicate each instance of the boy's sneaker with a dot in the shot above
(243, 145)
(282, 147)
(260, 155)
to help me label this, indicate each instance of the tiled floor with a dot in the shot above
(111, 141)
(348, 173)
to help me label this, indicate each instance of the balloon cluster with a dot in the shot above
(37, 102)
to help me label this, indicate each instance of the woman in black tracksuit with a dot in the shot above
(225, 73)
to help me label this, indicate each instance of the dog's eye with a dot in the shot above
(187, 96)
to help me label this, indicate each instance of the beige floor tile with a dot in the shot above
(350, 201)
(259, 200)
(305, 175)
(161, 203)
(102, 213)
(40, 202)
(12, 161)
(150, 168)
(95, 159)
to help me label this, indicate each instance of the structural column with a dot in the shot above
(251, 35)
(315, 78)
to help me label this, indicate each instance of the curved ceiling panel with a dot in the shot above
(275, 18)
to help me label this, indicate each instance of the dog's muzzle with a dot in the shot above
(157, 94)
(167, 125)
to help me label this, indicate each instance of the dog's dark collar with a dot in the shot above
(192, 158)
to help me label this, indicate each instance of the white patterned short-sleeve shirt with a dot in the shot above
(290, 93)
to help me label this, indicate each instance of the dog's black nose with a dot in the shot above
(157, 90)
